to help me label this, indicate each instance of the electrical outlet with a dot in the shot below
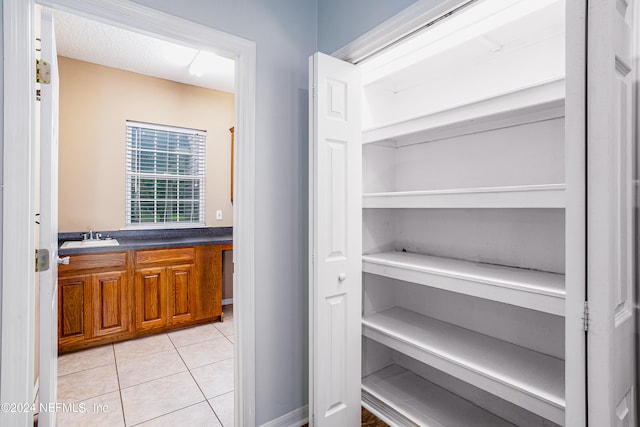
(218, 215)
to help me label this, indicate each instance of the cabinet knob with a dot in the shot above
(342, 277)
(64, 260)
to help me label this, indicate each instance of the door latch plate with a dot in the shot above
(42, 260)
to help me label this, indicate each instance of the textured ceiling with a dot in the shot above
(86, 40)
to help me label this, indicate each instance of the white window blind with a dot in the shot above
(165, 175)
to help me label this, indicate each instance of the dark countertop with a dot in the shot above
(152, 239)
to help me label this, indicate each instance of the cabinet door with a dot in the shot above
(180, 293)
(74, 309)
(151, 298)
(109, 303)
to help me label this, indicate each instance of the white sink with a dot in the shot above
(89, 243)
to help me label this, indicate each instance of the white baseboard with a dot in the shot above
(227, 301)
(296, 418)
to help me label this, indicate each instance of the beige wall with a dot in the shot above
(95, 103)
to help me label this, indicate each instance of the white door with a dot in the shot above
(48, 356)
(335, 221)
(611, 117)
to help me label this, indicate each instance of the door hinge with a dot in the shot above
(42, 260)
(585, 317)
(43, 72)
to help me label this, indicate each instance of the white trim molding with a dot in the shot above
(18, 263)
(18, 240)
(296, 418)
(395, 28)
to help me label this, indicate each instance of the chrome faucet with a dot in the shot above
(89, 235)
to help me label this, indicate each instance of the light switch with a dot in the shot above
(218, 215)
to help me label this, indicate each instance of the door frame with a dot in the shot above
(18, 232)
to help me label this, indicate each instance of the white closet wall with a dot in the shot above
(464, 231)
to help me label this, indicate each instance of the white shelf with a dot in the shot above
(524, 377)
(526, 105)
(519, 196)
(400, 397)
(530, 289)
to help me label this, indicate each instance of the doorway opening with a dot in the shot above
(19, 29)
(159, 116)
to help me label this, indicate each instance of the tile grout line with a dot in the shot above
(188, 369)
(197, 385)
(83, 370)
(93, 396)
(200, 342)
(168, 413)
(215, 413)
(234, 364)
(158, 378)
(115, 361)
(155, 379)
(146, 354)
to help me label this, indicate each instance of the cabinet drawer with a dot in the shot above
(162, 256)
(114, 260)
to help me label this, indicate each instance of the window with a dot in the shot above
(165, 175)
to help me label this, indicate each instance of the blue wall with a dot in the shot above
(286, 32)
(342, 21)
(285, 36)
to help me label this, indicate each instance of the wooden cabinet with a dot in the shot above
(165, 279)
(114, 296)
(180, 293)
(164, 296)
(208, 293)
(110, 303)
(165, 287)
(94, 299)
(73, 301)
(151, 298)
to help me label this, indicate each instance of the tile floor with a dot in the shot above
(180, 378)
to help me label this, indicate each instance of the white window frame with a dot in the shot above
(200, 175)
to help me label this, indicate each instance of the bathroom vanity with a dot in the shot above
(143, 286)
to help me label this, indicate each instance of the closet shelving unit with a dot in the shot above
(535, 290)
(516, 196)
(524, 105)
(401, 397)
(529, 378)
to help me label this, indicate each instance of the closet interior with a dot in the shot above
(463, 215)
